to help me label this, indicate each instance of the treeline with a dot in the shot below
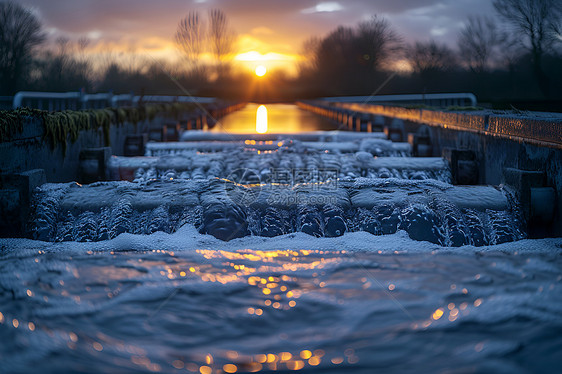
(514, 57)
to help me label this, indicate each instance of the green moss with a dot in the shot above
(60, 127)
(11, 121)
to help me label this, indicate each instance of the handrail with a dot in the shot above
(96, 101)
(453, 98)
(76, 100)
(173, 99)
(54, 100)
(122, 100)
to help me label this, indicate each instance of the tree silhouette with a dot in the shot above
(20, 32)
(190, 38)
(430, 57)
(377, 42)
(221, 38)
(430, 61)
(309, 52)
(477, 42)
(67, 69)
(536, 21)
(348, 59)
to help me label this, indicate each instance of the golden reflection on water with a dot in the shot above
(266, 272)
(261, 120)
(277, 292)
(281, 118)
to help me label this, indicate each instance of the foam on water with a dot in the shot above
(163, 302)
(384, 266)
(428, 210)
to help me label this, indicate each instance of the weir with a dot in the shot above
(428, 180)
(343, 242)
(519, 150)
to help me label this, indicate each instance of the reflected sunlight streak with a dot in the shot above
(261, 120)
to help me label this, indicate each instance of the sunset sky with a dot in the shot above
(270, 32)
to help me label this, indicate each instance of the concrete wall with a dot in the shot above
(523, 150)
(28, 150)
(544, 129)
(495, 154)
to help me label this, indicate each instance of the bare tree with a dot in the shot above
(536, 22)
(65, 69)
(190, 37)
(430, 57)
(309, 52)
(20, 32)
(221, 38)
(377, 41)
(478, 41)
(334, 51)
(83, 44)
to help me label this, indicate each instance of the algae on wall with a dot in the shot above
(64, 126)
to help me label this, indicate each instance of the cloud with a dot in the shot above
(323, 8)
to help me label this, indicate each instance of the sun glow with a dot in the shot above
(273, 61)
(261, 120)
(261, 70)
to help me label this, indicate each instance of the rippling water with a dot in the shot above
(187, 302)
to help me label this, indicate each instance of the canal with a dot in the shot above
(383, 266)
(272, 118)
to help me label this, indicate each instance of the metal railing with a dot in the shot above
(96, 101)
(442, 99)
(53, 101)
(50, 101)
(173, 99)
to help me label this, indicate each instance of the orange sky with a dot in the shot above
(271, 32)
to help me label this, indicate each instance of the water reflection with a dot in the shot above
(281, 118)
(261, 120)
(251, 310)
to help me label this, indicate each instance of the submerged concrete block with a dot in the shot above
(171, 132)
(543, 203)
(15, 199)
(538, 202)
(421, 142)
(395, 131)
(93, 164)
(155, 134)
(464, 165)
(378, 123)
(523, 180)
(135, 144)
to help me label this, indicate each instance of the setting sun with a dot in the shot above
(261, 70)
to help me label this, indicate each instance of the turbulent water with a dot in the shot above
(296, 187)
(334, 253)
(190, 303)
(426, 210)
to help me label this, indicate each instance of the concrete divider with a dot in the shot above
(528, 142)
(30, 148)
(15, 197)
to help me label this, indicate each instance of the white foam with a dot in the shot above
(188, 238)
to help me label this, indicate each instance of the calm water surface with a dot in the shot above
(281, 118)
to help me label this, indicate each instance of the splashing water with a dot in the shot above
(185, 301)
